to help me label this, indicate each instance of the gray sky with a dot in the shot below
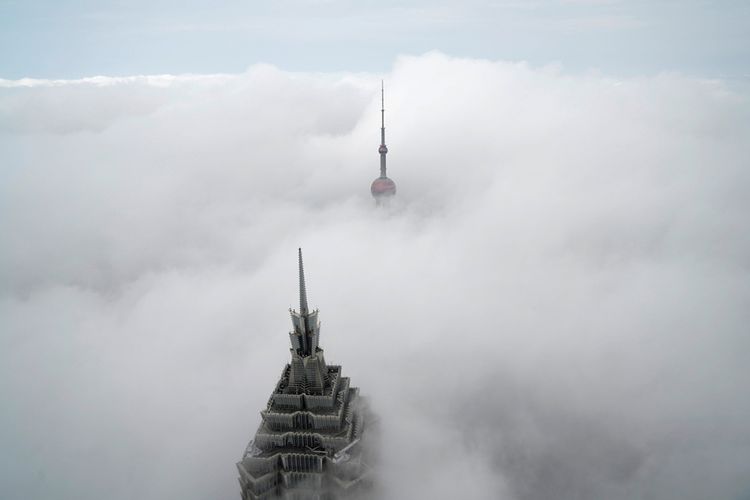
(66, 39)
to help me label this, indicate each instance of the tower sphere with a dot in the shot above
(383, 187)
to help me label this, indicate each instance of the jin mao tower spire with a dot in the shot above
(302, 289)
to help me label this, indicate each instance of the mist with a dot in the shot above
(554, 307)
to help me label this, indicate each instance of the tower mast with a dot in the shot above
(383, 149)
(382, 187)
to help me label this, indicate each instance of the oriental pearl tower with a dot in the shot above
(382, 188)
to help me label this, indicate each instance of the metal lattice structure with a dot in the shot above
(309, 443)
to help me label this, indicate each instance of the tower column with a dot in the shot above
(382, 187)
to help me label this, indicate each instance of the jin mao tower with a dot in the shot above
(308, 444)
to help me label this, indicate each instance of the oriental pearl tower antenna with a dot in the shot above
(382, 188)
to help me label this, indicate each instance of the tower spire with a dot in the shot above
(382, 112)
(382, 187)
(302, 290)
(383, 149)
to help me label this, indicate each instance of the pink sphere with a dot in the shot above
(383, 186)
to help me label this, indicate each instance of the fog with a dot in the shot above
(554, 307)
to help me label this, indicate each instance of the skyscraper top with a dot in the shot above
(310, 441)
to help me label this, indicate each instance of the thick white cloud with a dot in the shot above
(555, 308)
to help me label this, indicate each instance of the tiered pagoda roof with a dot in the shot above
(308, 445)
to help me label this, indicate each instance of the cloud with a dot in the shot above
(555, 307)
(32, 105)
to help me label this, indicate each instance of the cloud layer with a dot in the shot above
(555, 308)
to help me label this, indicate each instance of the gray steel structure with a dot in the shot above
(383, 187)
(308, 445)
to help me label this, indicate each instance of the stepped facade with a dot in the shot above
(309, 442)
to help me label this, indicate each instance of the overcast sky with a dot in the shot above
(554, 308)
(75, 38)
